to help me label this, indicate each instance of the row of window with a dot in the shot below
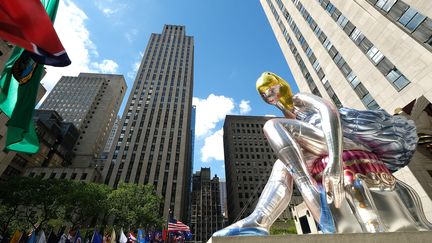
(309, 53)
(302, 66)
(53, 175)
(384, 65)
(337, 58)
(407, 18)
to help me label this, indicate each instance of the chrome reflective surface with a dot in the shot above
(372, 202)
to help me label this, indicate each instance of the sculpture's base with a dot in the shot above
(394, 237)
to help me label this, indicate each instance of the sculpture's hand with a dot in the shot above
(333, 183)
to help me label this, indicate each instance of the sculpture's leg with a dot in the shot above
(289, 152)
(274, 199)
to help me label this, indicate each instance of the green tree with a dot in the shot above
(31, 201)
(85, 201)
(136, 205)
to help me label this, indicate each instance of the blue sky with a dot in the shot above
(234, 44)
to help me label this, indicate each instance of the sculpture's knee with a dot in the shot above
(277, 135)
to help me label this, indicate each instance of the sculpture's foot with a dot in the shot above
(252, 231)
(251, 225)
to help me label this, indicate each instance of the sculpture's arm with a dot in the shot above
(332, 130)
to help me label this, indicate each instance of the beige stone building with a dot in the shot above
(364, 54)
(153, 144)
(91, 102)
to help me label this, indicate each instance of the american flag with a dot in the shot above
(175, 225)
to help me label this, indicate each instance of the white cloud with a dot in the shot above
(213, 147)
(244, 107)
(210, 111)
(131, 35)
(108, 11)
(75, 37)
(106, 66)
(268, 115)
(109, 7)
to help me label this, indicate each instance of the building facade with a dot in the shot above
(153, 143)
(206, 215)
(5, 52)
(91, 102)
(249, 161)
(365, 55)
(56, 141)
(67, 173)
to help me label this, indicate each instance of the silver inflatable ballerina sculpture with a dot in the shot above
(340, 160)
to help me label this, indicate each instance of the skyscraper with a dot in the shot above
(206, 211)
(153, 142)
(360, 54)
(91, 102)
(366, 55)
(248, 163)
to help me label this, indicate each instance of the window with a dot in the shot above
(375, 55)
(397, 10)
(385, 66)
(73, 176)
(327, 44)
(411, 19)
(397, 79)
(361, 90)
(357, 36)
(423, 32)
(385, 5)
(342, 21)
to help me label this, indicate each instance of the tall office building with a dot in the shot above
(365, 54)
(206, 215)
(153, 142)
(91, 102)
(248, 163)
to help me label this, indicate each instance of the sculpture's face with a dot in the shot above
(273, 89)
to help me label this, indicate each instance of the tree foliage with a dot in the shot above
(133, 204)
(31, 202)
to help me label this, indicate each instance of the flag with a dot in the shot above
(52, 238)
(140, 238)
(164, 234)
(188, 235)
(113, 236)
(26, 24)
(123, 238)
(16, 237)
(132, 237)
(77, 237)
(96, 238)
(32, 237)
(19, 84)
(41, 237)
(175, 225)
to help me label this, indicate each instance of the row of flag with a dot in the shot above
(175, 230)
(28, 24)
